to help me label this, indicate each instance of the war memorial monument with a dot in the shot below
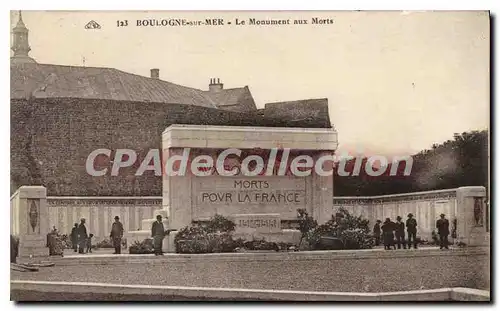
(96, 143)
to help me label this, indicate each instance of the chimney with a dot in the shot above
(215, 85)
(155, 73)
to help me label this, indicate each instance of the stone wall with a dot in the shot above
(425, 206)
(52, 138)
(99, 213)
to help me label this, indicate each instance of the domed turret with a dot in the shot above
(20, 44)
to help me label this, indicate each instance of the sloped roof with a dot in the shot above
(227, 97)
(47, 80)
(237, 98)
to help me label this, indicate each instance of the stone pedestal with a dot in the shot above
(30, 223)
(188, 198)
(472, 216)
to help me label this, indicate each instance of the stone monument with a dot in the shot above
(30, 223)
(263, 205)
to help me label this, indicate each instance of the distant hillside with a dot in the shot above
(462, 161)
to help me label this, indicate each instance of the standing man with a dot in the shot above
(400, 233)
(376, 232)
(82, 237)
(443, 228)
(158, 233)
(117, 235)
(411, 229)
(74, 237)
(388, 233)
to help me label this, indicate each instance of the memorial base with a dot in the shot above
(285, 236)
(478, 237)
(32, 249)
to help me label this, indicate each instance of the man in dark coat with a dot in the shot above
(82, 237)
(388, 233)
(117, 235)
(74, 237)
(411, 229)
(158, 233)
(400, 233)
(376, 232)
(443, 228)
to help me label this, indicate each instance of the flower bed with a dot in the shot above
(342, 231)
(215, 236)
(144, 247)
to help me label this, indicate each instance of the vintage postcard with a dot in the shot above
(250, 156)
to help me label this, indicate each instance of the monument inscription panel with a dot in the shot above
(262, 223)
(247, 195)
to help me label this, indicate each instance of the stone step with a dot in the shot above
(140, 236)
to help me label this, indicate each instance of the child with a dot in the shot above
(89, 243)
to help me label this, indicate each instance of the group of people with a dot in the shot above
(393, 233)
(82, 242)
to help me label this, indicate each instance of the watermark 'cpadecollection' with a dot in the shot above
(251, 165)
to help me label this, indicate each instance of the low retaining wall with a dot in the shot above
(99, 213)
(59, 291)
(330, 271)
(425, 206)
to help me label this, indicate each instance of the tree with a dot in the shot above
(463, 161)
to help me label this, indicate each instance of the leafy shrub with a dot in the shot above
(435, 238)
(354, 232)
(356, 239)
(194, 246)
(144, 247)
(261, 245)
(215, 236)
(66, 242)
(219, 223)
(106, 243)
(208, 243)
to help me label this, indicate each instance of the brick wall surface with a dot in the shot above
(52, 138)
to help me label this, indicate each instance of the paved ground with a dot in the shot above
(17, 295)
(371, 275)
(109, 251)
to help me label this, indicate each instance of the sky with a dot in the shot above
(396, 82)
